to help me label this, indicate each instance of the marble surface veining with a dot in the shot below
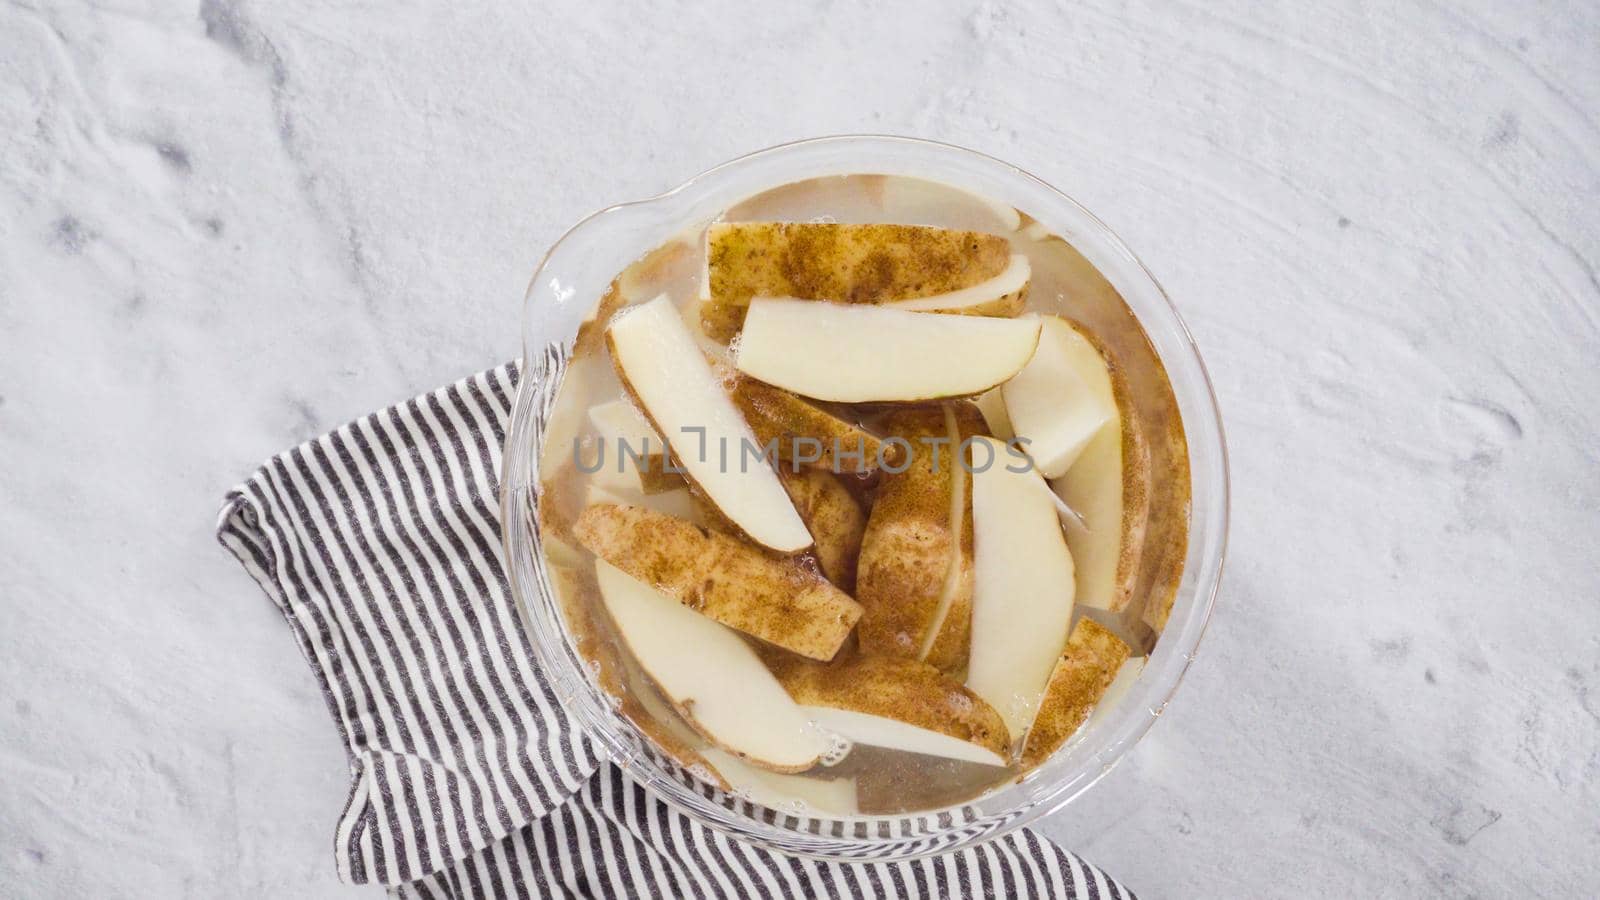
(231, 225)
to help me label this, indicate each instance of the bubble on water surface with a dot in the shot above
(839, 747)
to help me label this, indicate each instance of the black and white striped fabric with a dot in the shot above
(380, 544)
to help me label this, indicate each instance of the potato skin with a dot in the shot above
(827, 506)
(895, 688)
(914, 550)
(841, 263)
(775, 414)
(783, 600)
(1080, 678)
(835, 519)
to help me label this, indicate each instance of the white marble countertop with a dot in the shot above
(227, 227)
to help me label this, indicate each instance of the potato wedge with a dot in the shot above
(781, 600)
(1093, 302)
(1108, 486)
(915, 577)
(830, 511)
(1086, 667)
(620, 677)
(711, 676)
(1053, 403)
(778, 415)
(1004, 295)
(674, 386)
(870, 354)
(900, 690)
(835, 518)
(1022, 601)
(841, 263)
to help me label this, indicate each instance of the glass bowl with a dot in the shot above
(564, 290)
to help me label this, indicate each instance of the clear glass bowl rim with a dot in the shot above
(1090, 755)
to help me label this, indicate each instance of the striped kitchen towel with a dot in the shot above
(380, 545)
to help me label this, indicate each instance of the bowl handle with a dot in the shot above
(581, 265)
